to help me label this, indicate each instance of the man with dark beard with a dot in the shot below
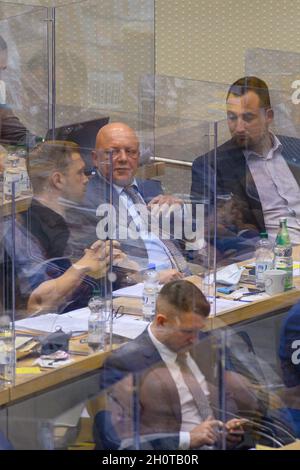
(258, 173)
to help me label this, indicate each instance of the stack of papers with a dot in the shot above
(76, 322)
(132, 291)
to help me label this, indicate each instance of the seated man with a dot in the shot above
(49, 278)
(131, 200)
(162, 383)
(257, 173)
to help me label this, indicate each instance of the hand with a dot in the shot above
(96, 258)
(235, 431)
(122, 260)
(164, 204)
(205, 433)
(167, 275)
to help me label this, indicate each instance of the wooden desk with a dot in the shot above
(22, 204)
(46, 395)
(249, 311)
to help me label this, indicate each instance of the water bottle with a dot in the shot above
(150, 291)
(263, 259)
(96, 324)
(283, 253)
(7, 352)
(11, 177)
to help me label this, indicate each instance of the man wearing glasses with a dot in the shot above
(116, 158)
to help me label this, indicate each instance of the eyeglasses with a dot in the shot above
(116, 152)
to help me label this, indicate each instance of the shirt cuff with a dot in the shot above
(184, 440)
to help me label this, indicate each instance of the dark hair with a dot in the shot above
(50, 156)
(255, 84)
(3, 44)
(184, 297)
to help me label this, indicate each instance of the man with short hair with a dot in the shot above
(117, 145)
(50, 279)
(158, 383)
(258, 171)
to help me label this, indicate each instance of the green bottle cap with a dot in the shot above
(263, 235)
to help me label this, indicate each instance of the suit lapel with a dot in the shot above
(153, 362)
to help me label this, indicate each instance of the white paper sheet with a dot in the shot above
(132, 291)
(76, 322)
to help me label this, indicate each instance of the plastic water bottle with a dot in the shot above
(150, 293)
(263, 259)
(283, 253)
(7, 352)
(96, 324)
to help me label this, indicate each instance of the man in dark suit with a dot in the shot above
(257, 173)
(162, 384)
(116, 158)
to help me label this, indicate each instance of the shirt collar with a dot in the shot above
(276, 145)
(166, 354)
(120, 189)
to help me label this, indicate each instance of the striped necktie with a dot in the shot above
(174, 253)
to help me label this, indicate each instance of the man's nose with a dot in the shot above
(240, 125)
(85, 179)
(122, 155)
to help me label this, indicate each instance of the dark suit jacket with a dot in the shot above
(233, 177)
(156, 407)
(12, 131)
(98, 192)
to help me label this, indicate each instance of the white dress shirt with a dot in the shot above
(277, 188)
(156, 250)
(189, 411)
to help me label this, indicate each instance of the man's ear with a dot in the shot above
(270, 115)
(161, 319)
(94, 158)
(57, 180)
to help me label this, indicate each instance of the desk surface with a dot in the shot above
(27, 385)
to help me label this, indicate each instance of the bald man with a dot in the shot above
(116, 158)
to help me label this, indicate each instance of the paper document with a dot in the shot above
(132, 291)
(223, 304)
(76, 322)
(20, 341)
(230, 275)
(296, 268)
(72, 322)
(129, 326)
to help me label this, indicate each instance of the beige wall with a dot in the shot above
(199, 39)
(207, 39)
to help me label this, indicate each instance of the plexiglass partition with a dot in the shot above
(254, 165)
(106, 220)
